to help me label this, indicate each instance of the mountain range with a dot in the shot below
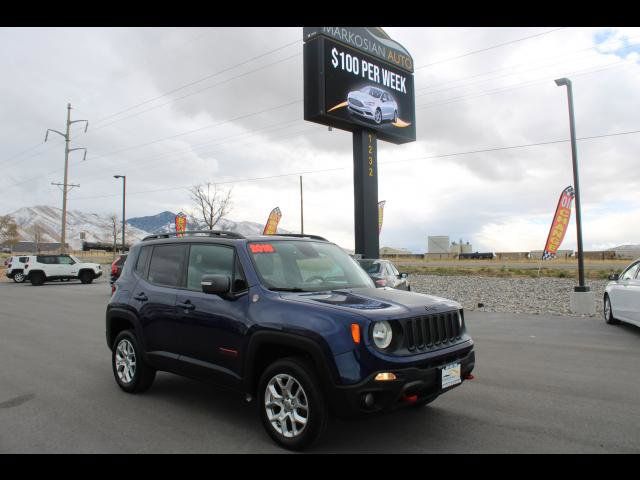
(96, 227)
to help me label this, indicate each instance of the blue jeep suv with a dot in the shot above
(289, 320)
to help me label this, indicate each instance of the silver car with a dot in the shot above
(622, 296)
(373, 103)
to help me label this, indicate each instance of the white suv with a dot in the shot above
(15, 268)
(41, 268)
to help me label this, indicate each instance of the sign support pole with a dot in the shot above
(365, 190)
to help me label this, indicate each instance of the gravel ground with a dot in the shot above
(543, 295)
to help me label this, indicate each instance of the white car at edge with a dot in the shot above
(622, 296)
(43, 268)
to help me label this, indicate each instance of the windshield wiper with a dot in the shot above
(287, 289)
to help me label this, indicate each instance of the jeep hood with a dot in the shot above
(376, 303)
(363, 97)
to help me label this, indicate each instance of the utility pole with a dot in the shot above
(301, 209)
(65, 185)
(124, 194)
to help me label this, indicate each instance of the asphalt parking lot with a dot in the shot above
(549, 384)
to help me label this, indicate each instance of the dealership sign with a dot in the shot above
(358, 78)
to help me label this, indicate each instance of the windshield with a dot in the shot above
(302, 266)
(370, 266)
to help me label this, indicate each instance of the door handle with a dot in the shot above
(186, 305)
(141, 296)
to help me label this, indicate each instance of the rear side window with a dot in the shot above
(166, 265)
(141, 264)
(23, 259)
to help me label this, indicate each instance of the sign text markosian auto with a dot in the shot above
(370, 86)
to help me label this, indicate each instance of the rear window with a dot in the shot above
(23, 259)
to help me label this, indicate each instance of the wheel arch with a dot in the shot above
(118, 320)
(265, 347)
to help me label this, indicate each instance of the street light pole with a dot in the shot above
(124, 192)
(576, 184)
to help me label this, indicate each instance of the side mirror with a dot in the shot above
(216, 284)
(614, 276)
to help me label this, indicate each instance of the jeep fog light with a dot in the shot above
(385, 376)
(382, 334)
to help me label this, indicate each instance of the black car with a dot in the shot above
(385, 274)
(288, 320)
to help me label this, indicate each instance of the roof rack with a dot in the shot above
(300, 235)
(210, 233)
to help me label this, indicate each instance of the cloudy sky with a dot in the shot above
(172, 107)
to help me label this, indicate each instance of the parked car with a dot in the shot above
(116, 267)
(15, 268)
(44, 268)
(385, 274)
(289, 320)
(373, 103)
(622, 296)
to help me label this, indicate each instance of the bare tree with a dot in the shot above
(210, 205)
(113, 226)
(36, 232)
(8, 231)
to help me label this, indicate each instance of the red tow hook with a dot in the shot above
(469, 377)
(410, 398)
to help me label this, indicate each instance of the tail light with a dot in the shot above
(381, 282)
(113, 289)
(114, 267)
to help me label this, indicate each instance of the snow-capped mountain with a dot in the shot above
(95, 227)
(99, 228)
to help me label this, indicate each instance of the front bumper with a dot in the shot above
(98, 274)
(348, 401)
(362, 111)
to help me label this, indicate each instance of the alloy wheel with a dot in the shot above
(18, 277)
(286, 405)
(607, 309)
(378, 116)
(125, 361)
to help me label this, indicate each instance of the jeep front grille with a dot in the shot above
(429, 331)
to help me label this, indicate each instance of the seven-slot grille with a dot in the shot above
(427, 331)
(355, 102)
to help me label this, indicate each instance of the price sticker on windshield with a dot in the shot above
(261, 248)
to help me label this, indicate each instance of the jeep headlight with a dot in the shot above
(382, 334)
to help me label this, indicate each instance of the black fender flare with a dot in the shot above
(93, 274)
(318, 350)
(124, 314)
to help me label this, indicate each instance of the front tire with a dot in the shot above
(18, 277)
(132, 373)
(377, 117)
(608, 312)
(292, 406)
(395, 116)
(86, 277)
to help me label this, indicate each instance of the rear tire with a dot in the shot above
(86, 277)
(19, 277)
(296, 414)
(132, 373)
(37, 278)
(608, 312)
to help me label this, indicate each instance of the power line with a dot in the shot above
(197, 91)
(199, 80)
(473, 52)
(307, 172)
(240, 117)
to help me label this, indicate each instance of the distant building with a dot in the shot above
(438, 244)
(626, 251)
(458, 248)
(394, 251)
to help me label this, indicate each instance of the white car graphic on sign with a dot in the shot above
(373, 103)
